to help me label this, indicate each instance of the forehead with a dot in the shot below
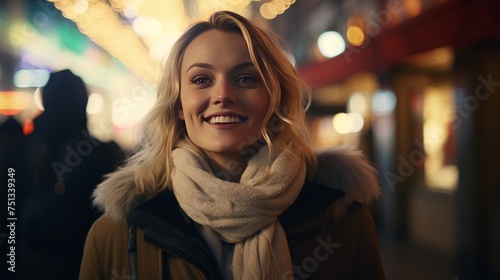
(217, 48)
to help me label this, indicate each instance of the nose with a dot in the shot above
(224, 93)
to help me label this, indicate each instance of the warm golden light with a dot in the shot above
(13, 102)
(147, 26)
(280, 6)
(342, 123)
(439, 110)
(142, 42)
(273, 8)
(357, 122)
(355, 36)
(358, 104)
(265, 11)
(412, 7)
(81, 6)
(326, 135)
(240, 3)
(101, 24)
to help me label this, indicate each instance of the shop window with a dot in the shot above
(441, 171)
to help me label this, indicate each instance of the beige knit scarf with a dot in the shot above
(239, 220)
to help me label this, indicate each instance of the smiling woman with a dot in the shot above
(224, 183)
(223, 99)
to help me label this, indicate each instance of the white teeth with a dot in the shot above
(225, 119)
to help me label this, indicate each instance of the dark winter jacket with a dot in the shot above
(330, 234)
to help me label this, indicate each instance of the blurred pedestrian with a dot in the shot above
(65, 163)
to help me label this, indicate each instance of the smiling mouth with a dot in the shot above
(224, 119)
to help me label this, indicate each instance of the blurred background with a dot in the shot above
(414, 84)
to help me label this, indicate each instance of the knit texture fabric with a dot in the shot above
(239, 220)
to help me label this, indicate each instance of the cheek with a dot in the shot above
(261, 114)
(261, 106)
(189, 105)
(259, 110)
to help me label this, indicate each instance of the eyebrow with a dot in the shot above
(209, 66)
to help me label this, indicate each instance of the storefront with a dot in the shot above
(425, 91)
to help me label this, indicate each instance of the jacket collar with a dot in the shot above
(313, 199)
(338, 168)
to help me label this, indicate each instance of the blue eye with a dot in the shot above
(246, 79)
(200, 79)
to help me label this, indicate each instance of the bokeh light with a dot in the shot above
(81, 6)
(348, 123)
(342, 123)
(357, 122)
(270, 10)
(383, 102)
(147, 26)
(31, 78)
(37, 99)
(357, 104)
(13, 102)
(95, 103)
(355, 36)
(331, 44)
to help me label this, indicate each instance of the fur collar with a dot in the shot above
(348, 170)
(339, 168)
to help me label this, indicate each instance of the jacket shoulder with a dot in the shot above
(106, 239)
(106, 252)
(107, 231)
(348, 170)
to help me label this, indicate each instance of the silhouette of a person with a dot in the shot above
(66, 163)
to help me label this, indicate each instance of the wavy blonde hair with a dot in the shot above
(151, 164)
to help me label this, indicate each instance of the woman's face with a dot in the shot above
(223, 98)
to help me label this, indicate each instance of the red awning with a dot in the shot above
(456, 24)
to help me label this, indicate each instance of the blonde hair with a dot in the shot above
(151, 164)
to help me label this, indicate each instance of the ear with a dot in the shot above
(180, 113)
